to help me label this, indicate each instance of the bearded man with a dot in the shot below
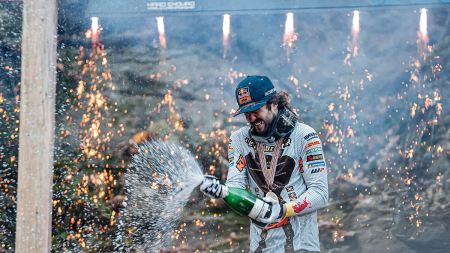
(280, 160)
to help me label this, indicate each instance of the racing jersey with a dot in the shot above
(300, 181)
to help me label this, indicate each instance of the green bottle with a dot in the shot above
(244, 202)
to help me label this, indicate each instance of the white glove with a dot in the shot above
(211, 187)
(271, 214)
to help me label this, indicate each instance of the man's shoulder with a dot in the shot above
(304, 127)
(304, 131)
(241, 133)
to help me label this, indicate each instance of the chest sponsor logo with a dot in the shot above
(258, 192)
(310, 136)
(244, 95)
(250, 142)
(240, 164)
(313, 150)
(269, 148)
(286, 143)
(291, 193)
(315, 164)
(311, 158)
(311, 144)
(317, 170)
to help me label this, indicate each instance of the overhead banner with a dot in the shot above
(145, 7)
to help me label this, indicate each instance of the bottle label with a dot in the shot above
(258, 207)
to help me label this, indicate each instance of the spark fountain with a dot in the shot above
(424, 109)
(289, 36)
(159, 182)
(226, 34)
(355, 32)
(353, 45)
(422, 34)
(161, 32)
(94, 30)
(83, 153)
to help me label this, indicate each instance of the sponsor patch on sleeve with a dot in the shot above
(300, 165)
(317, 170)
(316, 164)
(230, 152)
(240, 164)
(230, 156)
(313, 150)
(316, 157)
(312, 144)
(311, 136)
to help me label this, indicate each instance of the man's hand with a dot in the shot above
(211, 187)
(271, 214)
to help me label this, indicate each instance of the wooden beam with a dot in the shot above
(37, 123)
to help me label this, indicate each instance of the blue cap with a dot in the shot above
(252, 93)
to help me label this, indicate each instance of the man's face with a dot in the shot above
(262, 118)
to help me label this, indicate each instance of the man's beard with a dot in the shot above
(260, 127)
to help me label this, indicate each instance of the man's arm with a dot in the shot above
(237, 167)
(314, 170)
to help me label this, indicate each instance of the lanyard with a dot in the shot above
(269, 173)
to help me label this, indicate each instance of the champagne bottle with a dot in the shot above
(244, 202)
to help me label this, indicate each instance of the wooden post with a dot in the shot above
(37, 123)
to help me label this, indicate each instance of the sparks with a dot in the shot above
(162, 34)
(226, 33)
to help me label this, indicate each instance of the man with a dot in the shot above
(281, 161)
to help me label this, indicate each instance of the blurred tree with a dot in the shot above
(10, 41)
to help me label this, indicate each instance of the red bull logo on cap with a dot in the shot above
(244, 95)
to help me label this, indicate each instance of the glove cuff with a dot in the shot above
(224, 192)
(282, 212)
(295, 208)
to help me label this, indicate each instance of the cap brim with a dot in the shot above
(250, 107)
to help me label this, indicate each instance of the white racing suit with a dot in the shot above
(300, 181)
